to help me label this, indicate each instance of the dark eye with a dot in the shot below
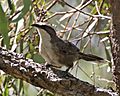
(64, 51)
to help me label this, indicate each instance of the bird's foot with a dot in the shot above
(67, 70)
(48, 65)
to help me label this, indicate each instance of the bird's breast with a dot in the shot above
(48, 53)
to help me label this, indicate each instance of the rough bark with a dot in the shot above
(42, 76)
(115, 40)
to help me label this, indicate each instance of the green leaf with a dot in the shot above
(6, 91)
(37, 58)
(11, 6)
(5, 85)
(21, 86)
(4, 27)
(28, 55)
(25, 9)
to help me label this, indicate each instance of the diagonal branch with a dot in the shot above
(41, 76)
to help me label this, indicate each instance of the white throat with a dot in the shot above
(46, 48)
(44, 39)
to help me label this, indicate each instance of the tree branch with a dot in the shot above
(45, 77)
(115, 40)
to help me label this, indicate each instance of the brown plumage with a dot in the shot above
(58, 52)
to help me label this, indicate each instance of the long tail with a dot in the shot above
(90, 57)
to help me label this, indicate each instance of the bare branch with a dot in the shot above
(42, 76)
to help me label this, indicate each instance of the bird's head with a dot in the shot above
(44, 29)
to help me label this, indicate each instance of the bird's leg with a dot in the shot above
(67, 70)
(48, 65)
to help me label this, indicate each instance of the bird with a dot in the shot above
(58, 52)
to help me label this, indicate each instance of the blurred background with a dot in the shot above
(85, 23)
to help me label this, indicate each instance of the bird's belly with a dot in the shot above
(49, 55)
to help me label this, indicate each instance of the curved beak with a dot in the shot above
(35, 25)
(38, 24)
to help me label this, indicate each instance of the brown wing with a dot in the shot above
(65, 47)
(67, 52)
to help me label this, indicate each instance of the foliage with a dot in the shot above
(85, 23)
